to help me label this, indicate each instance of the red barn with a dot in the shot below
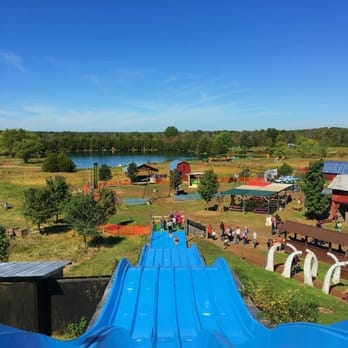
(182, 167)
(339, 198)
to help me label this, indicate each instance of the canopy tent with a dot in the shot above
(260, 191)
(267, 192)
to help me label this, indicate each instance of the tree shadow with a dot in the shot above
(278, 265)
(108, 241)
(126, 222)
(213, 208)
(55, 229)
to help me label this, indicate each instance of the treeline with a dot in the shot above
(307, 142)
(217, 142)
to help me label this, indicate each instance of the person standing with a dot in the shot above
(209, 231)
(238, 233)
(222, 230)
(170, 228)
(163, 224)
(255, 239)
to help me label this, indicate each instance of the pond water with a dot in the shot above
(87, 159)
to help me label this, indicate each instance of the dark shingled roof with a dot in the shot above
(323, 234)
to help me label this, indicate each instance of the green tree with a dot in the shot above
(20, 143)
(29, 147)
(132, 171)
(271, 135)
(84, 215)
(285, 169)
(59, 193)
(203, 145)
(9, 139)
(4, 245)
(175, 180)
(171, 131)
(208, 186)
(61, 162)
(105, 172)
(107, 202)
(49, 164)
(221, 143)
(65, 164)
(312, 186)
(280, 149)
(245, 142)
(310, 148)
(37, 206)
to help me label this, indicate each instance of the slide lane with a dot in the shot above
(189, 326)
(167, 325)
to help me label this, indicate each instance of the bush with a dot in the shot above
(4, 245)
(77, 329)
(287, 306)
(61, 162)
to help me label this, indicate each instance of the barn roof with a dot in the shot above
(174, 164)
(147, 167)
(335, 167)
(316, 232)
(340, 182)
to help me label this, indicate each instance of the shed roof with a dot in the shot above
(147, 167)
(335, 167)
(340, 182)
(43, 269)
(174, 164)
(326, 235)
(264, 191)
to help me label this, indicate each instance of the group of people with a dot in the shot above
(228, 235)
(173, 221)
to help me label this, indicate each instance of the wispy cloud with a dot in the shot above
(93, 78)
(12, 59)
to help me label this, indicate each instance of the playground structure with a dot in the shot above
(310, 268)
(171, 298)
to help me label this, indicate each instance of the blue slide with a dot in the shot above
(172, 299)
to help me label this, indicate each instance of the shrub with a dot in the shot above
(61, 162)
(287, 306)
(77, 329)
(4, 245)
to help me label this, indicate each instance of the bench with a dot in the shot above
(235, 208)
(261, 210)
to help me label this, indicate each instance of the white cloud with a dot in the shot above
(12, 59)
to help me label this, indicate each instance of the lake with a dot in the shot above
(87, 159)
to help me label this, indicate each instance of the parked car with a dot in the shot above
(288, 179)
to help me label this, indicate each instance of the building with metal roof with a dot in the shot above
(333, 168)
(31, 270)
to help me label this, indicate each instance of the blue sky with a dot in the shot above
(143, 65)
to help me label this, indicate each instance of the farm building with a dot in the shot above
(339, 196)
(182, 167)
(146, 174)
(333, 168)
(194, 179)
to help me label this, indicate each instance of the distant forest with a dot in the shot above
(199, 142)
(305, 143)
